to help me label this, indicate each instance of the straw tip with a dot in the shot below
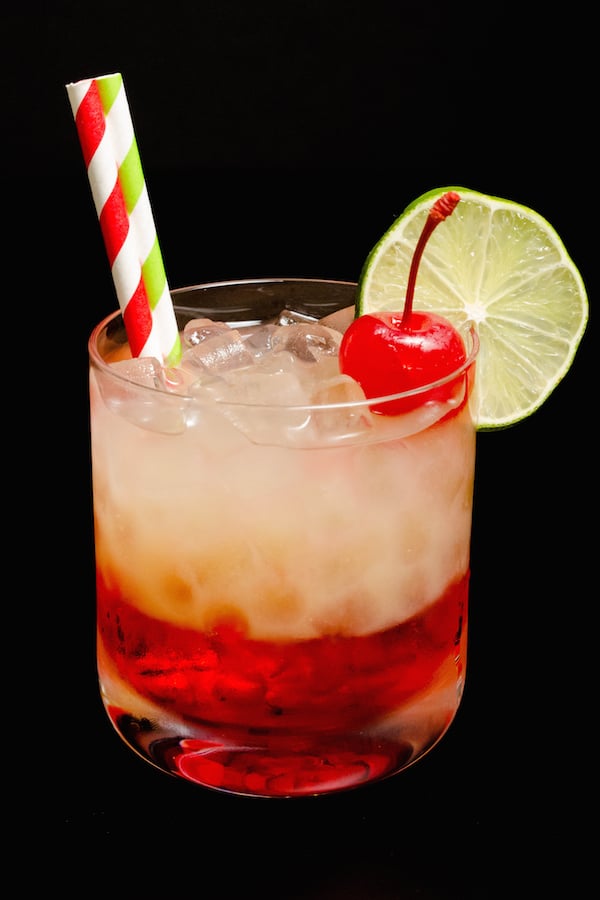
(75, 84)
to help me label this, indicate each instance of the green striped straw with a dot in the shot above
(116, 177)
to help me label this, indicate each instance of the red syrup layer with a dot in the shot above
(326, 684)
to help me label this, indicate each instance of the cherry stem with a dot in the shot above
(440, 210)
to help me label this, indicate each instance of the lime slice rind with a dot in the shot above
(502, 266)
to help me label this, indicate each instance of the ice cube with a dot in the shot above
(334, 421)
(197, 330)
(219, 351)
(258, 339)
(158, 409)
(265, 386)
(282, 361)
(261, 400)
(339, 320)
(274, 423)
(148, 372)
(338, 389)
(144, 370)
(209, 385)
(309, 342)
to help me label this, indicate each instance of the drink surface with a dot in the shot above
(284, 583)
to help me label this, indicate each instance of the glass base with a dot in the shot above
(276, 764)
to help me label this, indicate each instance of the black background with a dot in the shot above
(283, 139)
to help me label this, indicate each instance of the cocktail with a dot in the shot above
(282, 573)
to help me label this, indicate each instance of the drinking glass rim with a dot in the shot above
(468, 329)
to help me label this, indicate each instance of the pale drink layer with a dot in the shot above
(290, 544)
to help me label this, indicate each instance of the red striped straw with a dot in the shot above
(118, 186)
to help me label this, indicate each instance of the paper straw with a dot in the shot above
(114, 169)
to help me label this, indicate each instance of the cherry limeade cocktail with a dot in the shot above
(282, 572)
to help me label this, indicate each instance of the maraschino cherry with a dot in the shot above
(392, 352)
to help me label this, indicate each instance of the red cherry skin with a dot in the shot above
(387, 357)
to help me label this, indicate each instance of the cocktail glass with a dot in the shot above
(282, 587)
